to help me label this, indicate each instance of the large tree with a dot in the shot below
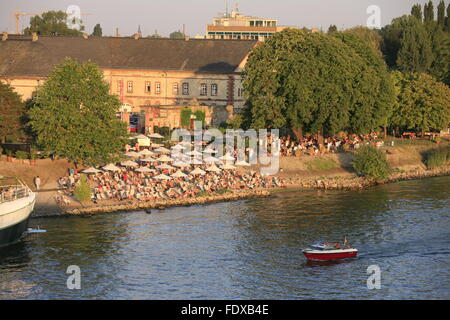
(428, 12)
(416, 11)
(12, 111)
(423, 103)
(176, 35)
(52, 23)
(75, 116)
(313, 82)
(407, 45)
(441, 14)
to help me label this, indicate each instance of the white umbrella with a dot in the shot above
(211, 159)
(146, 152)
(111, 167)
(242, 163)
(162, 150)
(163, 177)
(91, 170)
(210, 151)
(164, 166)
(178, 147)
(164, 158)
(197, 171)
(213, 168)
(141, 136)
(144, 170)
(195, 161)
(228, 167)
(157, 145)
(180, 164)
(129, 164)
(156, 136)
(227, 157)
(178, 174)
(148, 159)
(132, 154)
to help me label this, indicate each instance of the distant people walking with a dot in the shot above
(37, 183)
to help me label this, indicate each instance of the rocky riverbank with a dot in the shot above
(163, 204)
(359, 183)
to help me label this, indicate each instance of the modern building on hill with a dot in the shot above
(235, 26)
(153, 78)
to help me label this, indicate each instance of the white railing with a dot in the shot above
(13, 192)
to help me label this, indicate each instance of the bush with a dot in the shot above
(83, 190)
(21, 155)
(438, 157)
(371, 163)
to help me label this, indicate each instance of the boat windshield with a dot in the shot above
(11, 192)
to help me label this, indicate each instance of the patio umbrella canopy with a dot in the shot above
(156, 136)
(144, 170)
(197, 171)
(163, 177)
(178, 174)
(146, 152)
(242, 163)
(165, 166)
(162, 150)
(129, 163)
(180, 164)
(164, 158)
(213, 168)
(132, 154)
(228, 167)
(211, 159)
(111, 167)
(227, 157)
(91, 170)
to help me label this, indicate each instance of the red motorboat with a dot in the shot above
(330, 252)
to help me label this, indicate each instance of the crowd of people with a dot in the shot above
(290, 147)
(129, 184)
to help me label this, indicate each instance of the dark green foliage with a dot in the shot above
(12, 111)
(75, 116)
(185, 117)
(176, 35)
(428, 12)
(438, 157)
(332, 28)
(83, 191)
(21, 155)
(416, 11)
(97, 30)
(199, 116)
(441, 14)
(52, 23)
(371, 163)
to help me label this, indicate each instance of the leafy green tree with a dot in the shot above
(441, 14)
(372, 163)
(82, 190)
(97, 30)
(447, 19)
(75, 116)
(407, 45)
(332, 28)
(52, 23)
(428, 14)
(371, 36)
(416, 11)
(423, 103)
(314, 82)
(12, 110)
(185, 115)
(176, 35)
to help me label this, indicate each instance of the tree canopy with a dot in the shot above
(97, 30)
(12, 111)
(314, 82)
(176, 35)
(52, 23)
(423, 103)
(75, 116)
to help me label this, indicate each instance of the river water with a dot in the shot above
(248, 249)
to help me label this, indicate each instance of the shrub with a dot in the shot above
(371, 163)
(438, 157)
(21, 155)
(321, 164)
(83, 190)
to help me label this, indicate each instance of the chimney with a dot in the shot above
(4, 36)
(85, 35)
(34, 36)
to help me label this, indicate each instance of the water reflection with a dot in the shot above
(246, 249)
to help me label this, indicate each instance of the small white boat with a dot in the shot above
(16, 204)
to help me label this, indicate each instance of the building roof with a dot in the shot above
(20, 56)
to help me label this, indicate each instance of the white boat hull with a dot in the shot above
(14, 216)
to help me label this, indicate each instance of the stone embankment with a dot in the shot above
(359, 183)
(163, 204)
